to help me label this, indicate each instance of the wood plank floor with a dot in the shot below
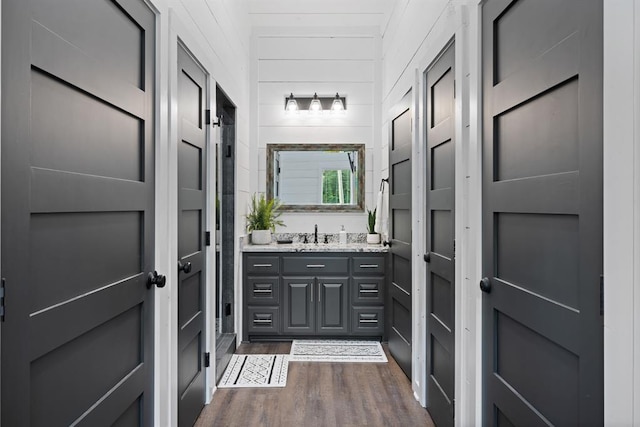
(320, 394)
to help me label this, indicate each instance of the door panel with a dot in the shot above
(440, 244)
(542, 212)
(192, 152)
(400, 312)
(333, 306)
(299, 308)
(77, 212)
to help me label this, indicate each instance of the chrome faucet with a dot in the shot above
(315, 234)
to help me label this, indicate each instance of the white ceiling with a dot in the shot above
(320, 13)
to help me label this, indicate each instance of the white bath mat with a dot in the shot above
(256, 370)
(336, 351)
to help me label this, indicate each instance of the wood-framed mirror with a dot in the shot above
(317, 177)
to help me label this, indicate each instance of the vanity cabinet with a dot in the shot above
(315, 295)
(290, 295)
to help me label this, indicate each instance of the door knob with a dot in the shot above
(156, 279)
(386, 243)
(427, 257)
(184, 267)
(485, 285)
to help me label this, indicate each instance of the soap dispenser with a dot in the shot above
(343, 236)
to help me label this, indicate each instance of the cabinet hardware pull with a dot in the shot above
(368, 321)
(368, 265)
(315, 265)
(262, 291)
(311, 292)
(319, 290)
(261, 321)
(366, 291)
(262, 265)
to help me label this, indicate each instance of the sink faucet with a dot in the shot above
(315, 234)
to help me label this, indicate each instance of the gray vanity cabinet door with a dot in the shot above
(333, 306)
(299, 305)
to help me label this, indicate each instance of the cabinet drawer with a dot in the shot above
(367, 265)
(367, 320)
(315, 265)
(367, 290)
(263, 290)
(263, 320)
(260, 264)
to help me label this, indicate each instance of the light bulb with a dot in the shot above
(337, 106)
(292, 105)
(315, 106)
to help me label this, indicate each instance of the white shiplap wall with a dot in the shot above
(326, 60)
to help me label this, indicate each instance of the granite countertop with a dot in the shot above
(313, 247)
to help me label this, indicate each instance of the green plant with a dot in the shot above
(264, 214)
(371, 221)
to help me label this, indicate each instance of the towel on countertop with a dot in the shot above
(382, 206)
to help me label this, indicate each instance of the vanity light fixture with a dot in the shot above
(315, 104)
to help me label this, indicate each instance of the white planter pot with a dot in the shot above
(261, 237)
(373, 239)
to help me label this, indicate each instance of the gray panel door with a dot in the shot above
(299, 306)
(542, 212)
(192, 155)
(399, 313)
(333, 306)
(77, 212)
(440, 225)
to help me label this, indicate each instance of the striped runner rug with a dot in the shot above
(256, 370)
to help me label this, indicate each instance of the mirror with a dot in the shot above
(316, 177)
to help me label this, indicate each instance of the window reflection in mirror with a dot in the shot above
(316, 177)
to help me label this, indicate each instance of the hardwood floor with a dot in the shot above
(320, 394)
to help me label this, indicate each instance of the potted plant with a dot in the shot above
(373, 238)
(262, 219)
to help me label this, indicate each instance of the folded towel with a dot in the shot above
(381, 211)
(378, 224)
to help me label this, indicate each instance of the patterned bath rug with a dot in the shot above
(336, 351)
(256, 370)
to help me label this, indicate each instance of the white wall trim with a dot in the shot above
(163, 405)
(636, 215)
(621, 212)
(472, 347)
(418, 269)
(320, 31)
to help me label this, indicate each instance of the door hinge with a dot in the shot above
(454, 248)
(207, 119)
(207, 238)
(453, 409)
(454, 89)
(2, 284)
(207, 359)
(601, 295)
(228, 150)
